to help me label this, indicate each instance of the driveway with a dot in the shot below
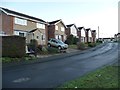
(56, 72)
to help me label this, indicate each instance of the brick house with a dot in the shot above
(93, 36)
(88, 35)
(56, 29)
(117, 37)
(71, 30)
(82, 34)
(15, 23)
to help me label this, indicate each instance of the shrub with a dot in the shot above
(81, 46)
(52, 50)
(71, 40)
(91, 44)
(39, 48)
(44, 50)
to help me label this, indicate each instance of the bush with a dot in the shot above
(39, 48)
(81, 46)
(71, 40)
(91, 44)
(52, 50)
(44, 50)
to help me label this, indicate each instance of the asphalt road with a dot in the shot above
(54, 73)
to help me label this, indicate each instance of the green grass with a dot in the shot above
(10, 60)
(72, 46)
(102, 78)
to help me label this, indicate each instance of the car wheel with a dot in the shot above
(49, 45)
(59, 47)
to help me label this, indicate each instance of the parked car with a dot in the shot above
(57, 43)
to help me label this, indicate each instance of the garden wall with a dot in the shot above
(13, 46)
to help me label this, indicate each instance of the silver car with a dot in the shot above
(57, 43)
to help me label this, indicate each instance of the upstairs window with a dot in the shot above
(62, 29)
(20, 21)
(56, 27)
(39, 25)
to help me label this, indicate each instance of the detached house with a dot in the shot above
(82, 34)
(56, 29)
(88, 35)
(71, 30)
(15, 23)
(93, 36)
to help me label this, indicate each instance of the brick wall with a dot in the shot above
(67, 32)
(79, 35)
(87, 37)
(51, 31)
(13, 46)
(7, 24)
(46, 32)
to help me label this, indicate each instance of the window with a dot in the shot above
(62, 29)
(56, 27)
(39, 25)
(37, 37)
(57, 36)
(21, 34)
(20, 21)
(43, 37)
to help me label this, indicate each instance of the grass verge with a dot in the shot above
(106, 77)
(73, 46)
(10, 60)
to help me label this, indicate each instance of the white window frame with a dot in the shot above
(62, 29)
(56, 36)
(56, 27)
(20, 21)
(18, 33)
(39, 25)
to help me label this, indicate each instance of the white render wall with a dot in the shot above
(73, 31)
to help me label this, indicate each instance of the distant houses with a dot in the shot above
(15, 23)
(117, 37)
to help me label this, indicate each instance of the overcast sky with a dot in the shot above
(87, 13)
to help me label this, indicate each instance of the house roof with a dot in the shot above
(57, 21)
(31, 31)
(54, 22)
(69, 25)
(14, 13)
(118, 33)
(88, 29)
(93, 30)
(80, 28)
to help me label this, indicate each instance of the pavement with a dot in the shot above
(47, 58)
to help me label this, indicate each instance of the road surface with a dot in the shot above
(54, 73)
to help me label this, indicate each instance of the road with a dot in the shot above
(54, 73)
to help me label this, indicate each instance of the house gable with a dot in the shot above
(73, 30)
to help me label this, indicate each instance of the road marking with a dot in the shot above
(21, 80)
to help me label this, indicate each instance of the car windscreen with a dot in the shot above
(60, 42)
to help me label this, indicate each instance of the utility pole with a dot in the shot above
(98, 32)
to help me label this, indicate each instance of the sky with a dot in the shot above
(87, 13)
